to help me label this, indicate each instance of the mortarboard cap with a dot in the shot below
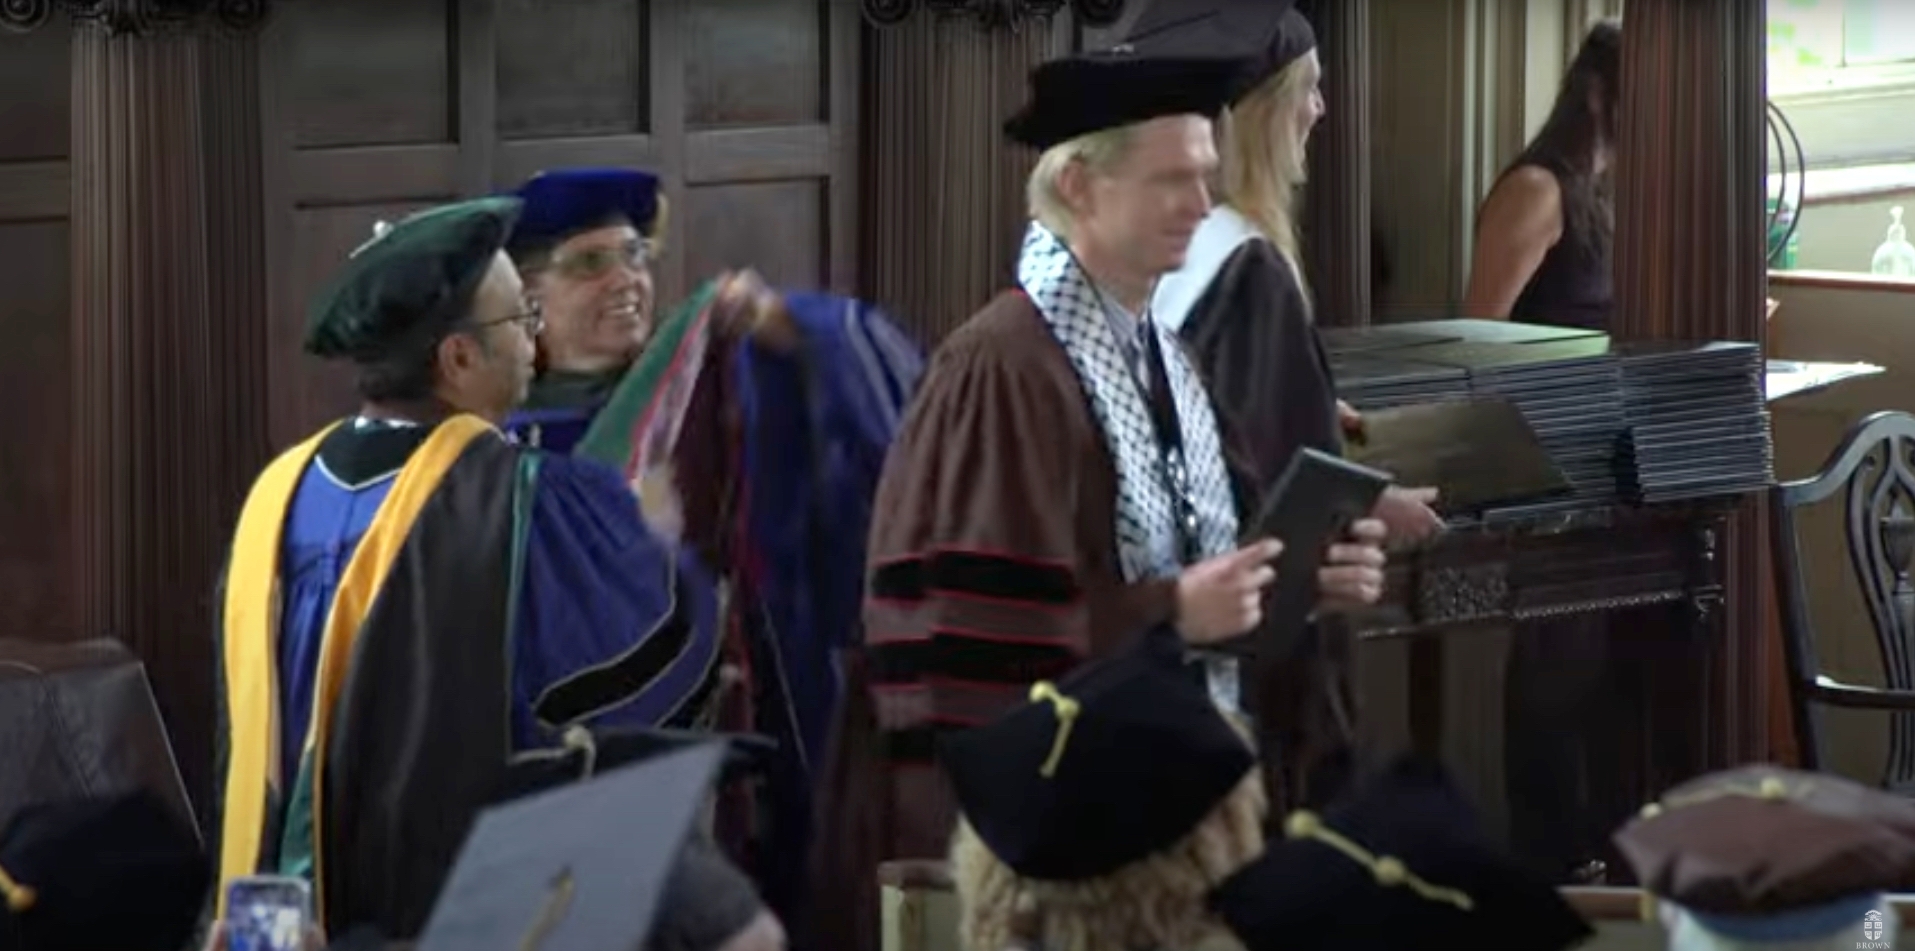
(1764, 853)
(562, 203)
(412, 279)
(1114, 763)
(1401, 864)
(126, 873)
(1263, 36)
(588, 752)
(1090, 92)
(583, 867)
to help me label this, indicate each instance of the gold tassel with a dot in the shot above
(1067, 711)
(19, 897)
(1389, 871)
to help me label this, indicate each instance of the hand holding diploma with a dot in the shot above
(1222, 598)
(1352, 572)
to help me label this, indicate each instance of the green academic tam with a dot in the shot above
(413, 278)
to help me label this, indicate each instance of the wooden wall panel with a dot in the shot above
(35, 595)
(599, 87)
(755, 62)
(33, 111)
(367, 72)
(747, 109)
(33, 482)
(776, 227)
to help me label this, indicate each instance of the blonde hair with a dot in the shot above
(1262, 162)
(1155, 902)
(1098, 151)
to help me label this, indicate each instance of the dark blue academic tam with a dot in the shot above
(564, 202)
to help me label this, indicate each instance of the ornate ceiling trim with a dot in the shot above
(992, 14)
(135, 16)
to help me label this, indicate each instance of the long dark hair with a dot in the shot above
(1581, 125)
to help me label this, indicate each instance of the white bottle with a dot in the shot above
(1896, 257)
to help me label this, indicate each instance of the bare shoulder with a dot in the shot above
(1525, 207)
(1528, 193)
(1528, 183)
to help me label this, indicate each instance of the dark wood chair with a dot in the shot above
(1874, 470)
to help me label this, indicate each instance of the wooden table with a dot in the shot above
(1657, 571)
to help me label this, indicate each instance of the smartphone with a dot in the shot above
(268, 913)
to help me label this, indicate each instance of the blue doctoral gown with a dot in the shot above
(398, 686)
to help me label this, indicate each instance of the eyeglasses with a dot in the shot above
(587, 264)
(533, 317)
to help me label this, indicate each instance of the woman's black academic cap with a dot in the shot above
(1110, 765)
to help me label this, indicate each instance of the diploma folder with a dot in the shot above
(1475, 453)
(1309, 507)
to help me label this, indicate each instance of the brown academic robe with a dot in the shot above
(994, 564)
(993, 552)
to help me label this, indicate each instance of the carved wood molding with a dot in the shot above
(994, 14)
(134, 17)
(1463, 593)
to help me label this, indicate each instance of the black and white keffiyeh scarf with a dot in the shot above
(1148, 536)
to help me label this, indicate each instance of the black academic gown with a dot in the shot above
(1252, 338)
(544, 602)
(1260, 353)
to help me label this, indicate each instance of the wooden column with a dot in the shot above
(1336, 218)
(168, 332)
(1689, 262)
(943, 193)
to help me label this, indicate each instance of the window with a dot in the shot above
(1843, 72)
(1818, 45)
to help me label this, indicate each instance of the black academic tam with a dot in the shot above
(1107, 89)
(1264, 36)
(1108, 766)
(121, 872)
(1402, 865)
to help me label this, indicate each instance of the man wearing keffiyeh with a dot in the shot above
(1060, 484)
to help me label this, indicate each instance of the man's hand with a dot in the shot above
(1349, 420)
(1407, 514)
(747, 306)
(1222, 598)
(1352, 572)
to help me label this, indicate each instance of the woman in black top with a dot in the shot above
(1543, 257)
(1543, 234)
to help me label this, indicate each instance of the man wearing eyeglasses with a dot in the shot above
(370, 696)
